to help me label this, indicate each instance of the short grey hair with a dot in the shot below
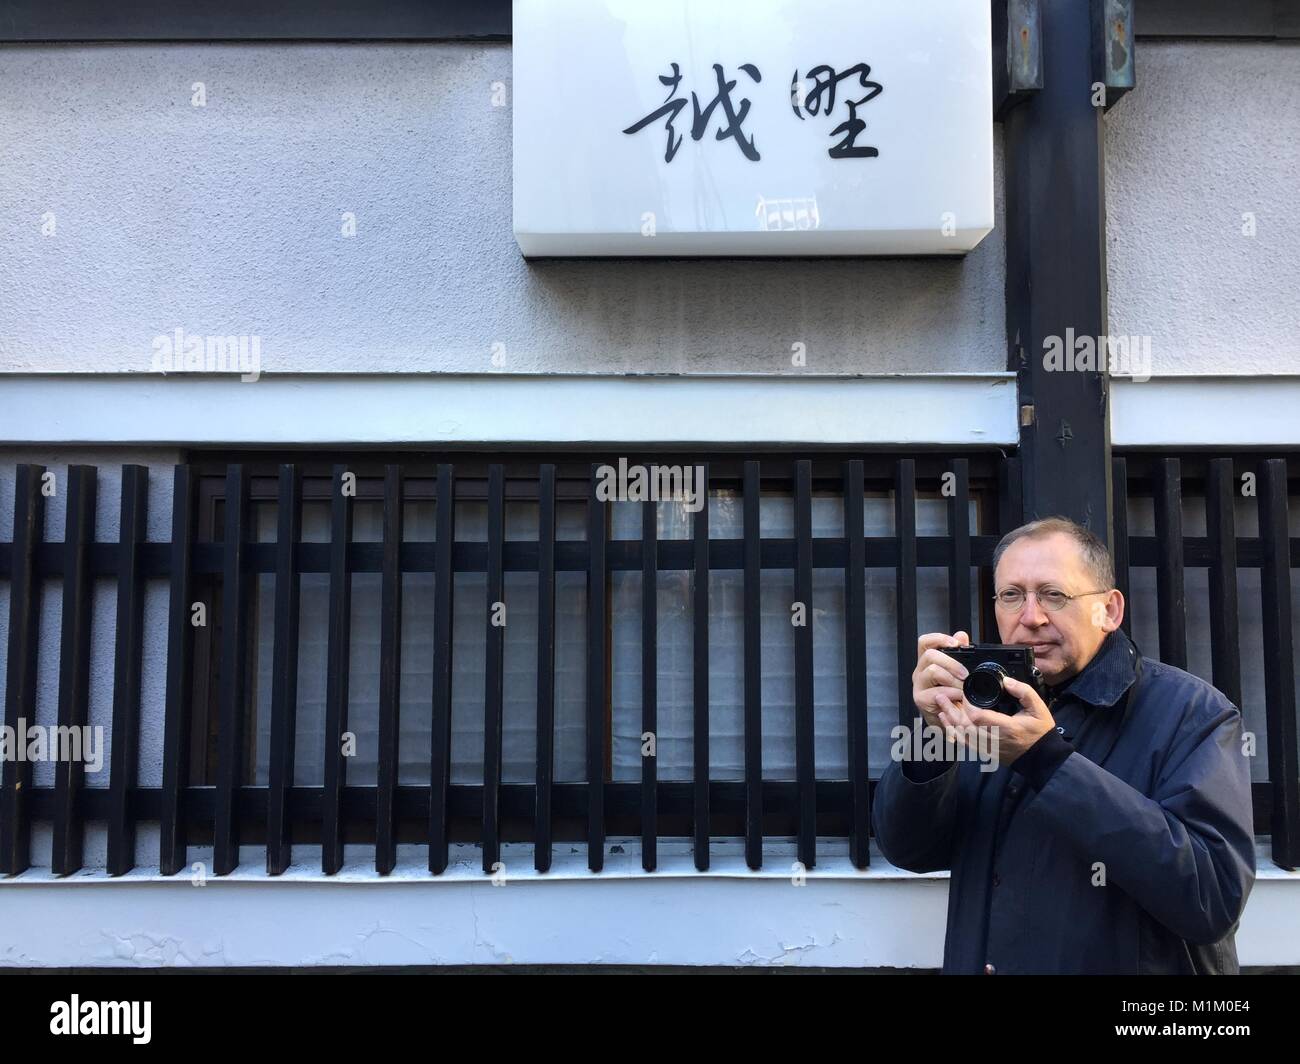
(1096, 556)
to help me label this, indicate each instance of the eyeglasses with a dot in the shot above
(1050, 598)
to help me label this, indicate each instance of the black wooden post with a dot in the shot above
(1056, 275)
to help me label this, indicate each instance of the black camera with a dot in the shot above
(987, 665)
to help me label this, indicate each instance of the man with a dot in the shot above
(1115, 835)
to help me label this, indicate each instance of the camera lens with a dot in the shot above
(983, 687)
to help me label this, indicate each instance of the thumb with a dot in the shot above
(1028, 698)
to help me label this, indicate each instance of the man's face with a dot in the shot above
(1064, 640)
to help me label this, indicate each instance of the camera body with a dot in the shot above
(987, 664)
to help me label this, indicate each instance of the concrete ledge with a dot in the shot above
(839, 917)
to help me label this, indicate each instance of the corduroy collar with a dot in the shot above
(1111, 672)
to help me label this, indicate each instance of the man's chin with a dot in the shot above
(1052, 664)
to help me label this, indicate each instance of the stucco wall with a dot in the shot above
(1211, 133)
(226, 219)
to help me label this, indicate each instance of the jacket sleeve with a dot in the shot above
(1187, 853)
(915, 818)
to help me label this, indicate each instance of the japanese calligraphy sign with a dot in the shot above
(752, 127)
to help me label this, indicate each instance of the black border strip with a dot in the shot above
(254, 20)
(34, 21)
(1270, 19)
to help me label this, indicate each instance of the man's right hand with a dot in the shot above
(936, 672)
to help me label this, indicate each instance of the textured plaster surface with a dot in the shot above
(227, 220)
(1212, 133)
(832, 915)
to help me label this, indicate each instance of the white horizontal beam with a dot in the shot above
(398, 409)
(973, 409)
(1205, 412)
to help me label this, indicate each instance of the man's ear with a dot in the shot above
(1114, 610)
(1108, 613)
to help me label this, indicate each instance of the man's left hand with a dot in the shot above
(1011, 736)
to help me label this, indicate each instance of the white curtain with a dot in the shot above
(675, 648)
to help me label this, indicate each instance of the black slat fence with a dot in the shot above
(211, 792)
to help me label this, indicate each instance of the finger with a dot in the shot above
(951, 715)
(931, 640)
(938, 657)
(961, 715)
(972, 720)
(937, 675)
(926, 705)
(987, 718)
(1029, 699)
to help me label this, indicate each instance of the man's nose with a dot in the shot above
(1032, 615)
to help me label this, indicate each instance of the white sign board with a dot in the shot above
(752, 127)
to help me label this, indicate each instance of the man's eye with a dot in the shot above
(1052, 597)
(1011, 596)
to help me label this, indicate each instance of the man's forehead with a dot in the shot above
(1053, 554)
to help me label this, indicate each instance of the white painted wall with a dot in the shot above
(226, 220)
(840, 916)
(1211, 132)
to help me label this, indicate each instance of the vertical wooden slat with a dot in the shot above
(1010, 495)
(855, 659)
(1279, 666)
(649, 683)
(1008, 517)
(805, 767)
(180, 649)
(230, 697)
(337, 671)
(390, 672)
(1119, 547)
(74, 666)
(959, 615)
(20, 683)
(753, 666)
(545, 666)
(905, 534)
(1220, 523)
(700, 673)
(127, 656)
(1170, 593)
(494, 680)
(440, 740)
(284, 683)
(596, 650)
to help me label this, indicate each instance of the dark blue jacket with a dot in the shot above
(1123, 842)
